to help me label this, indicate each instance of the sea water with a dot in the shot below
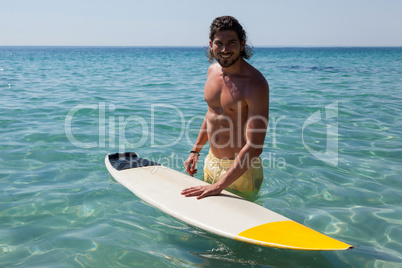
(332, 155)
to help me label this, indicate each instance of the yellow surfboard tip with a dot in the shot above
(290, 235)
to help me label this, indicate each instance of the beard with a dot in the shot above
(225, 63)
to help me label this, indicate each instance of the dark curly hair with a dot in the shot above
(229, 23)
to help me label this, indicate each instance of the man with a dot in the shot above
(237, 117)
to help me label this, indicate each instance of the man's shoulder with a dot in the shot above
(257, 79)
(257, 88)
(255, 73)
(214, 68)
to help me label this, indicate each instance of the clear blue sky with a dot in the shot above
(186, 23)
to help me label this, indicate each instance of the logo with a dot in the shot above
(330, 156)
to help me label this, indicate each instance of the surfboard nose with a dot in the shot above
(290, 234)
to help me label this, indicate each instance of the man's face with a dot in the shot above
(226, 48)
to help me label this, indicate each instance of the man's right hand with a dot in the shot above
(190, 164)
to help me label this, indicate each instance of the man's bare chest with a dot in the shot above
(223, 97)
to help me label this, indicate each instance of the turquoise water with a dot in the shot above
(332, 157)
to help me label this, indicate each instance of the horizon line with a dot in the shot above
(194, 46)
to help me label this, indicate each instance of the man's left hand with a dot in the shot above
(202, 191)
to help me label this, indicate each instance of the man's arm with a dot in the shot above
(202, 139)
(256, 127)
(192, 159)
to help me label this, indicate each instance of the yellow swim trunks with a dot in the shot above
(251, 180)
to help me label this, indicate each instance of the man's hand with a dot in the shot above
(190, 164)
(202, 190)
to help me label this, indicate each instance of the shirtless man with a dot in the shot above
(237, 117)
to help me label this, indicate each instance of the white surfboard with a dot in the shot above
(227, 214)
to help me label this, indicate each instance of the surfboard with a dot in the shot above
(226, 215)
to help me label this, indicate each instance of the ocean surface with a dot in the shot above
(332, 156)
